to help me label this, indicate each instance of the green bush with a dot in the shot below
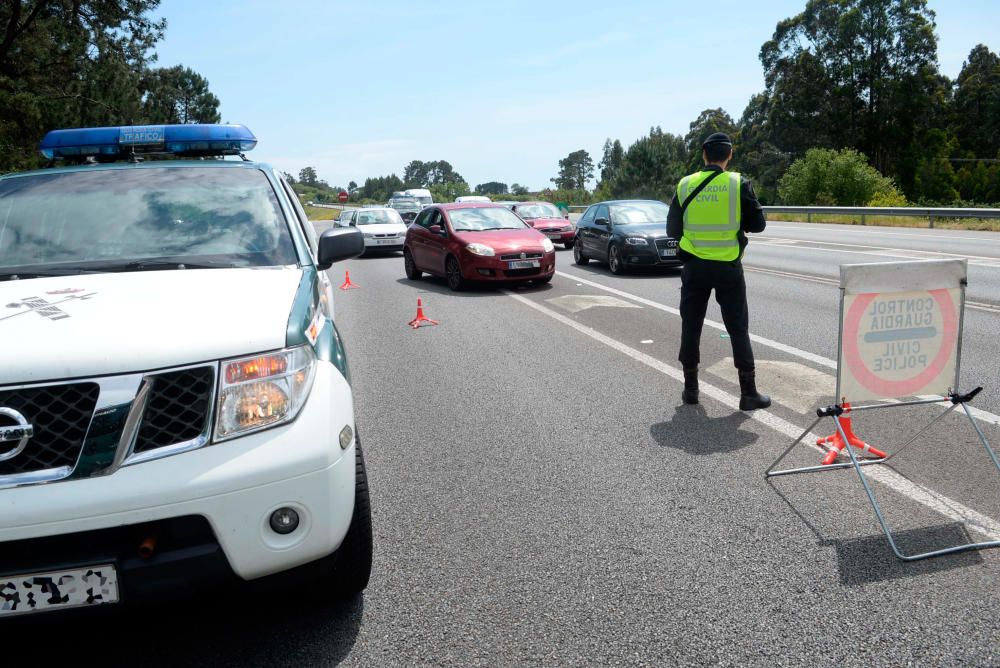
(895, 198)
(826, 177)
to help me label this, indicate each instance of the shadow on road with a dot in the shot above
(691, 430)
(869, 559)
(231, 628)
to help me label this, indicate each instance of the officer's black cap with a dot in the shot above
(717, 138)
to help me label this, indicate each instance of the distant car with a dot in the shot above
(408, 207)
(344, 219)
(509, 205)
(383, 229)
(422, 195)
(547, 219)
(625, 234)
(476, 242)
(473, 198)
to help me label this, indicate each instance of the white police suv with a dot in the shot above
(175, 404)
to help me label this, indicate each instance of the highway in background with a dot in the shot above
(540, 495)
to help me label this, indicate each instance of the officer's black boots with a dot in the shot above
(750, 398)
(690, 393)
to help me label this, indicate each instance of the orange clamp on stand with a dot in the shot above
(421, 319)
(347, 285)
(836, 442)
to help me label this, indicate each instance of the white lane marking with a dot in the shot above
(949, 508)
(577, 303)
(646, 341)
(816, 359)
(978, 413)
(946, 235)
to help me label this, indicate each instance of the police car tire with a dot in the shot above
(578, 256)
(354, 556)
(410, 266)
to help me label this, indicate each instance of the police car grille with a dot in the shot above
(178, 408)
(666, 243)
(60, 415)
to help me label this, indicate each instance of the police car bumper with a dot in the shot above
(209, 508)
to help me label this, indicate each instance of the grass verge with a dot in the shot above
(980, 224)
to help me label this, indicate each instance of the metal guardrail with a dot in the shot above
(930, 213)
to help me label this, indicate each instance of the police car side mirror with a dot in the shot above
(339, 244)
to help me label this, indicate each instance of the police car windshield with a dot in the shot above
(634, 213)
(484, 218)
(543, 210)
(377, 217)
(115, 218)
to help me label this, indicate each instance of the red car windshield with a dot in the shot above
(485, 218)
(543, 210)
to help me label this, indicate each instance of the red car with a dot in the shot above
(476, 242)
(547, 219)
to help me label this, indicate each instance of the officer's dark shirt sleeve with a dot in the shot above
(675, 221)
(751, 214)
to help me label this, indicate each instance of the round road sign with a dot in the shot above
(342, 197)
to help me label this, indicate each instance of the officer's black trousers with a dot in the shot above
(698, 279)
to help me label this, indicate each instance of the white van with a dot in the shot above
(473, 198)
(422, 195)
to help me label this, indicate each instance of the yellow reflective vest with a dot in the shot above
(712, 220)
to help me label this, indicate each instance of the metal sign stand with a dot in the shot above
(837, 410)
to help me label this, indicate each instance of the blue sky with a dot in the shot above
(503, 91)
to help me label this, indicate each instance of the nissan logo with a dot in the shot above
(19, 432)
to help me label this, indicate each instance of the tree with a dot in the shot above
(827, 177)
(288, 177)
(307, 176)
(178, 95)
(518, 189)
(651, 168)
(856, 73)
(66, 64)
(492, 188)
(611, 160)
(977, 103)
(575, 170)
(708, 122)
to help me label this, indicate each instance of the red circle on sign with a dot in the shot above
(907, 386)
(342, 197)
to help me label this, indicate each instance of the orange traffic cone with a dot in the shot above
(421, 318)
(836, 443)
(347, 285)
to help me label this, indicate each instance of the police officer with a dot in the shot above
(711, 213)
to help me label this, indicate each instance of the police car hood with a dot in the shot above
(100, 324)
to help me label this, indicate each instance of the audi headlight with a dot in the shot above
(547, 246)
(480, 249)
(636, 241)
(263, 391)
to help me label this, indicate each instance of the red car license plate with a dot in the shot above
(524, 264)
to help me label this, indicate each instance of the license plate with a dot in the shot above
(386, 242)
(524, 264)
(41, 592)
(553, 235)
(668, 252)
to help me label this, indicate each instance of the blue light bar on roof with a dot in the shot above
(125, 140)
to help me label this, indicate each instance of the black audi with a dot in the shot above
(625, 234)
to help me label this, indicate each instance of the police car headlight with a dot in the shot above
(636, 241)
(547, 246)
(263, 391)
(480, 249)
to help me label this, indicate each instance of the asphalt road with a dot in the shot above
(541, 497)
